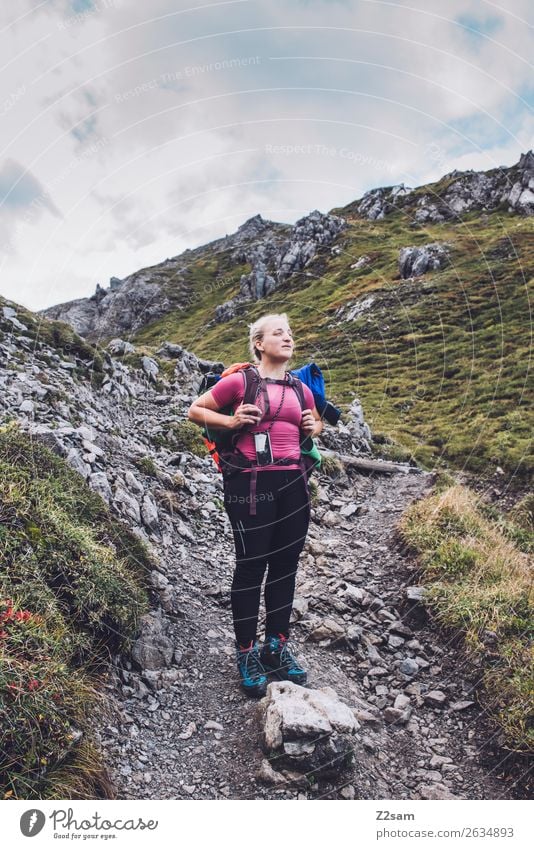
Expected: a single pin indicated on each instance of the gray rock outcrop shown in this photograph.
(417, 260)
(274, 260)
(277, 251)
(142, 297)
(377, 203)
(153, 650)
(508, 188)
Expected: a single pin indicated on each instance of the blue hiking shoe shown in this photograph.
(278, 658)
(251, 671)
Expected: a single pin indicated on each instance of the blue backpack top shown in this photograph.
(312, 376)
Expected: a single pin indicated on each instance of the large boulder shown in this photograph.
(153, 649)
(307, 730)
(417, 260)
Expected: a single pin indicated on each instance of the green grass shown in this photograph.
(182, 436)
(479, 582)
(147, 465)
(72, 589)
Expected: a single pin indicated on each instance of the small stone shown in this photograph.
(328, 629)
(462, 705)
(391, 714)
(99, 483)
(376, 671)
(354, 594)
(435, 698)
(435, 791)
(353, 635)
(150, 367)
(268, 775)
(348, 792)
(188, 732)
(300, 608)
(74, 460)
(400, 628)
(415, 594)
(437, 761)
(367, 717)
(349, 510)
(159, 581)
(149, 513)
(409, 667)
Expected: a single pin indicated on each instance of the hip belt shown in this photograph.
(234, 463)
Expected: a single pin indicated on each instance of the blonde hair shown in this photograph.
(257, 330)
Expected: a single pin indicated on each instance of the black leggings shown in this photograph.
(272, 538)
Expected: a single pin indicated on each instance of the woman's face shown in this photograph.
(277, 340)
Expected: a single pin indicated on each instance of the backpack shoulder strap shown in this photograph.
(254, 385)
(251, 381)
(296, 383)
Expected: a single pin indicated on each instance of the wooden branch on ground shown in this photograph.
(365, 464)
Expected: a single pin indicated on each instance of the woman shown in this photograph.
(270, 533)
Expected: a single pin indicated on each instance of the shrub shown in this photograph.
(183, 436)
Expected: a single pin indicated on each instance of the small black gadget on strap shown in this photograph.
(262, 438)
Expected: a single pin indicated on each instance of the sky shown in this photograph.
(133, 131)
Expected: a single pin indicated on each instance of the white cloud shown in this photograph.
(156, 129)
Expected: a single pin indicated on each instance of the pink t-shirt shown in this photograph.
(285, 432)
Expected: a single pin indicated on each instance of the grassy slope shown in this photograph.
(72, 588)
(479, 582)
(440, 364)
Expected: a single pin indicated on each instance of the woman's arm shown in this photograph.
(203, 411)
(318, 422)
(311, 423)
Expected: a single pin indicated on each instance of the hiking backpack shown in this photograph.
(221, 443)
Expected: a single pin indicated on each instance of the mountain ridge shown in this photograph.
(130, 304)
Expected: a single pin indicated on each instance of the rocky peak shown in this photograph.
(253, 225)
(274, 260)
(526, 161)
(508, 188)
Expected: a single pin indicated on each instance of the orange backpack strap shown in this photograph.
(234, 367)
